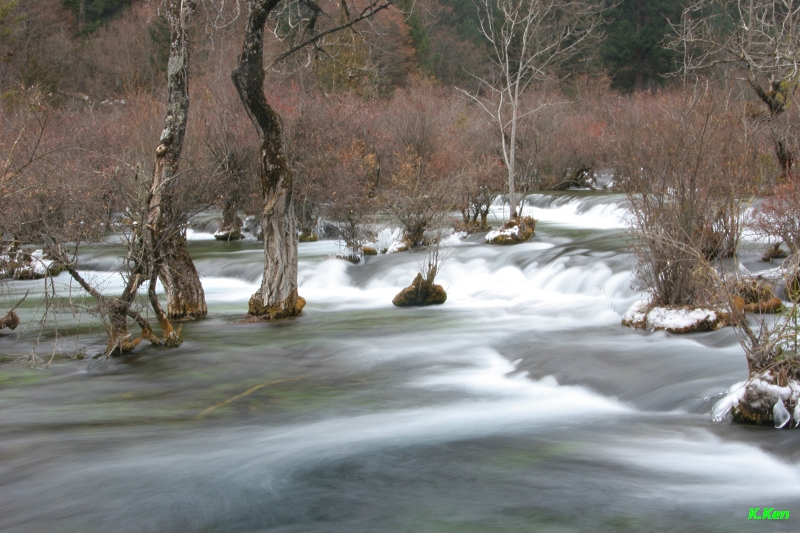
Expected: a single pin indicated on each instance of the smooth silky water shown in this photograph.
(520, 405)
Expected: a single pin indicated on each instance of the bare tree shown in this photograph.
(277, 297)
(757, 41)
(185, 295)
(528, 39)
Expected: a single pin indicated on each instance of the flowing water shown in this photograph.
(520, 405)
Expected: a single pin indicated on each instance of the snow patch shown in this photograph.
(636, 315)
(511, 232)
(675, 320)
(678, 319)
(722, 409)
(388, 241)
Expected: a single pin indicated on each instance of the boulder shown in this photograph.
(229, 234)
(515, 231)
(419, 293)
(369, 250)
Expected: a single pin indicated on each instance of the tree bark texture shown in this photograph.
(277, 297)
(185, 295)
(777, 100)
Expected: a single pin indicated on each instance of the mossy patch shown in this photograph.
(421, 292)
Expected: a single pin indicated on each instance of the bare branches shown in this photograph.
(757, 36)
(529, 39)
(372, 9)
(757, 41)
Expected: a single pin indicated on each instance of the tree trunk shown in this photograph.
(777, 99)
(185, 295)
(277, 297)
(81, 15)
(186, 298)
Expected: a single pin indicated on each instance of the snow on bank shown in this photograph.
(675, 320)
(510, 233)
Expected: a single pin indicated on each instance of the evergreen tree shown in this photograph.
(632, 50)
(93, 13)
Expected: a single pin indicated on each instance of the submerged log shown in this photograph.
(420, 292)
(290, 307)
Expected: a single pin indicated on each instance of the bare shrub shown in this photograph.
(778, 218)
(423, 163)
(684, 164)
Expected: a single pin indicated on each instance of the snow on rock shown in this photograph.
(675, 320)
(26, 265)
(636, 315)
(514, 231)
(685, 320)
(228, 234)
(510, 233)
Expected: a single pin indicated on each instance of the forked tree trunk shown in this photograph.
(277, 297)
(185, 295)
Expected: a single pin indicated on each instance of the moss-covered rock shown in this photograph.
(369, 250)
(773, 306)
(514, 231)
(755, 296)
(419, 293)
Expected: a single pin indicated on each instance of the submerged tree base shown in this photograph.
(419, 293)
(290, 307)
(761, 400)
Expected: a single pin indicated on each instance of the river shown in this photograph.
(520, 405)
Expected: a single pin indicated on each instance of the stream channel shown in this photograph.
(520, 405)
